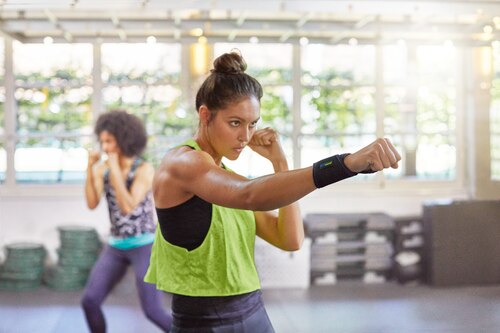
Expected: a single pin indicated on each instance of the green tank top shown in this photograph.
(222, 265)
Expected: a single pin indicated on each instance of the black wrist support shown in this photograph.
(331, 170)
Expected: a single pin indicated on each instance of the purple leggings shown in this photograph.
(107, 272)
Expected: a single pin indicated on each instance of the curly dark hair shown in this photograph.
(227, 83)
(128, 130)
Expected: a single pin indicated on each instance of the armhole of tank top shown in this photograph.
(133, 170)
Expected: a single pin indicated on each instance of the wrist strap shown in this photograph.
(331, 170)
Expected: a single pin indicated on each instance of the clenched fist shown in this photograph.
(377, 156)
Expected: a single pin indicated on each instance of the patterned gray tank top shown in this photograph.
(141, 218)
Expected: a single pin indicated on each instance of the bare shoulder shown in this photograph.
(177, 167)
(145, 171)
(182, 160)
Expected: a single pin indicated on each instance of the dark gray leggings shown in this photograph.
(258, 322)
(107, 272)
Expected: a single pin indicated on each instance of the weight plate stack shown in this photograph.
(77, 254)
(23, 267)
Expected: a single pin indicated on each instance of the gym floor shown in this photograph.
(347, 307)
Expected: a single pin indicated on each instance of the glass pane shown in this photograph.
(344, 63)
(54, 109)
(437, 64)
(158, 145)
(436, 108)
(2, 110)
(3, 162)
(441, 150)
(315, 148)
(395, 64)
(142, 62)
(495, 147)
(54, 64)
(276, 105)
(495, 169)
(399, 114)
(342, 110)
(268, 63)
(2, 59)
(51, 160)
(495, 115)
(251, 164)
(160, 107)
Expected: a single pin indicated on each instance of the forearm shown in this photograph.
(290, 227)
(124, 199)
(91, 195)
(278, 190)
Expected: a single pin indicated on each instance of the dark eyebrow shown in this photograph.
(241, 119)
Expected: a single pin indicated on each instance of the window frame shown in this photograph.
(377, 183)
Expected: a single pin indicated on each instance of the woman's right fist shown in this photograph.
(377, 156)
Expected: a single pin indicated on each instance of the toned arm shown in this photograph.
(94, 185)
(186, 172)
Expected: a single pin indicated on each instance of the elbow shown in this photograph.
(91, 205)
(125, 209)
(294, 245)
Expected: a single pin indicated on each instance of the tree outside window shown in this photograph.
(53, 121)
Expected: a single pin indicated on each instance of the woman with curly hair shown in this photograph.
(209, 216)
(126, 180)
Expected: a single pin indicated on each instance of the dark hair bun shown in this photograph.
(230, 63)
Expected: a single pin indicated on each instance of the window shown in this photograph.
(399, 105)
(144, 79)
(53, 93)
(271, 65)
(495, 116)
(345, 102)
(3, 153)
(3, 162)
(436, 113)
(338, 100)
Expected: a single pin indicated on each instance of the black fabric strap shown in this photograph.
(331, 170)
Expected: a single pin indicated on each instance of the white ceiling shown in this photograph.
(328, 21)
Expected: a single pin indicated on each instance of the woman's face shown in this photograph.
(108, 143)
(232, 128)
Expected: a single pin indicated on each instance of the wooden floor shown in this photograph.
(348, 307)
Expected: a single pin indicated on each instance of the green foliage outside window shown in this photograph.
(436, 111)
(53, 110)
(149, 77)
(268, 76)
(336, 104)
(59, 77)
(275, 111)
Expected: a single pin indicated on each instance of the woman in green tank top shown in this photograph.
(213, 279)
